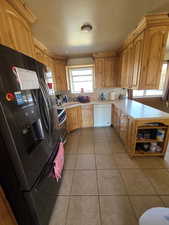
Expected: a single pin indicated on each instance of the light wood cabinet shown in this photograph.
(123, 127)
(105, 72)
(153, 56)
(87, 116)
(74, 118)
(109, 72)
(99, 72)
(143, 53)
(137, 59)
(116, 117)
(124, 65)
(15, 31)
(60, 75)
(137, 132)
(6, 215)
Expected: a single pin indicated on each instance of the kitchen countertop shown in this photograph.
(75, 104)
(138, 110)
(132, 108)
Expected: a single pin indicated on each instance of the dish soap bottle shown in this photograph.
(102, 98)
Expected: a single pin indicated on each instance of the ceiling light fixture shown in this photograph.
(86, 27)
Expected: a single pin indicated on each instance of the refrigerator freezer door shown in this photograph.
(28, 148)
(27, 78)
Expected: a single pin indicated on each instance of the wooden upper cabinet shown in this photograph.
(143, 53)
(153, 56)
(4, 40)
(130, 64)
(17, 30)
(137, 59)
(124, 65)
(40, 52)
(109, 72)
(99, 72)
(105, 76)
(60, 75)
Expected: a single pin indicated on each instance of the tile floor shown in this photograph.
(102, 185)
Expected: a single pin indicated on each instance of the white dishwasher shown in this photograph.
(102, 115)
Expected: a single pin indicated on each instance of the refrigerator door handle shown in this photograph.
(48, 111)
(46, 172)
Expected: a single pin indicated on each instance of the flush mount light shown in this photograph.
(86, 27)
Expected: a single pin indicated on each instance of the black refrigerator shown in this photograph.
(29, 141)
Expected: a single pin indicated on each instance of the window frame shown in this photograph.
(78, 67)
(148, 96)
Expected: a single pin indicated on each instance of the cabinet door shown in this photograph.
(118, 65)
(137, 59)
(124, 127)
(130, 66)
(60, 75)
(116, 118)
(3, 29)
(109, 72)
(70, 119)
(74, 118)
(39, 55)
(153, 56)
(124, 78)
(78, 117)
(87, 116)
(18, 31)
(99, 72)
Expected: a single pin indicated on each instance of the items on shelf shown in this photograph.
(153, 147)
(153, 124)
(147, 134)
(154, 134)
(160, 135)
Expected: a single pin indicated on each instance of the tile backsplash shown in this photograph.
(96, 94)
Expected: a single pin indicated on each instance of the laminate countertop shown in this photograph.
(132, 108)
(76, 104)
(138, 110)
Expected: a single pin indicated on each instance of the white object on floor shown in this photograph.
(155, 216)
(102, 115)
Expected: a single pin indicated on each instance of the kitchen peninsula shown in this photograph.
(144, 130)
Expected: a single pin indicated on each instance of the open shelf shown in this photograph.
(148, 140)
(152, 127)
(142, 153)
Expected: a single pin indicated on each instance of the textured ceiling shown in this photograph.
(59, 22)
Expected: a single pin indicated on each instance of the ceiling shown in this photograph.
(59, 22)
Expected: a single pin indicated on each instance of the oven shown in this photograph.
(61, 123)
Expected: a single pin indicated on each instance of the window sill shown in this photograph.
(150, 96)
(85, 93)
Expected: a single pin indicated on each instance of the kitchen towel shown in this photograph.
(59, 162)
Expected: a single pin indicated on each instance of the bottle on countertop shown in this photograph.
(102, 97)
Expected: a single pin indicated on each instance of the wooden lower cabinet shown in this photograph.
(130, 129)
(87, 116)
(6, 215)
(74, 118)
(123, 127)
